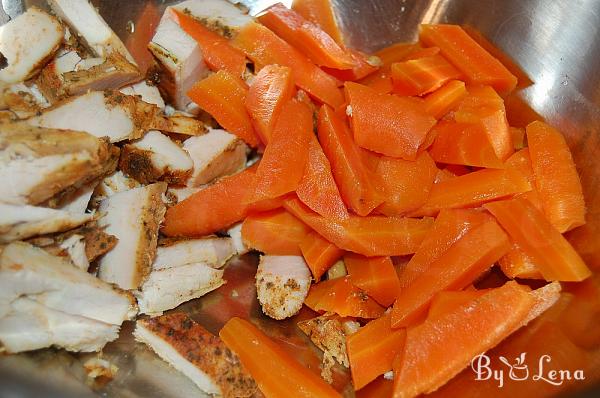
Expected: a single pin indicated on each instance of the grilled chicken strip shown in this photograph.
(181, 62)
(132, 216)
(22, 100)
(114, 183)
(219, 16)
(282, 284)
(75, 247)
(27, 43)
(38, 163)
(155, 157)
(198, 354)
(178, 194)
(145, 92)
(235, 233)
(26, 270)
(19, 222)
(211, 251)
(215, 154)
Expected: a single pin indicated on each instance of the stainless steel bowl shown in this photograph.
(557, 42)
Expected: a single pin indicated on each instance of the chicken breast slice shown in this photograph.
(168, 287)
(178, 193)
(235, 233)
(77, 201)
(30, 326)
(38, 163)
(133, 217)
(75, 247)
(219, 16)
(196, 353)
(211, 251)
(24, 100)
(155, 157)
(327, 333)
(26, 270)
(282, 284)
(215, 154)
(28, 42)
(181, 61)
(19, 222)
(146, 92)
(115, 183)
(86, 22)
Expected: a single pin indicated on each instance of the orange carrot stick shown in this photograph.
(321, 13)
(478, 66)
(372, 350)
(223, 96)
(447, 301)
(396, 52)
(263, 47)
(375, 275)
(275, 371)
(445, 98)
(270, 89)
(554, 257)
(319, 254)
(422, 76)
(517, 264)
(364, 65)
(274, 232)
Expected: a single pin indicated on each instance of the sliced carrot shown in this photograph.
(522, 79)
(406, 183)
(517, 264)
(380, 81)
(263, 47)
(445, 98)
(443, 175)
(266, 205)
(449, 226)
(282, 165)
(216, 50)
(364, 66)
(275, 371)
(458, 267)
(418, 53)
(440, 348)
(375, 275)
(319, 254)
(274, 232)
(306, 36)
(521, 162)
(387, 124)
(473, 189)
(341, 297)
(554, 256)
(369, 236)
(272, 87)
(351, 175)
(484, 107)
(212, 209)
(380, 387)
(478, 65)
(372, 350)
(464, 144)
(556, 177)
(458, 169)
(422, 76)
(321, 13)
(447, 301)
(223, 95)
(518, 137)
(396, 52)
(317, 188)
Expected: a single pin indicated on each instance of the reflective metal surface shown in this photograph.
(557, 42)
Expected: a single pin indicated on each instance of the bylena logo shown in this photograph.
(518, 370)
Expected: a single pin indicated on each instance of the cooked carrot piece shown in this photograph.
(264, 48)
(447, 301)
(275, 371)
(422, 76)
(369, 236)
(387, 124)
(445, 98)
(521, 162)
(272, 87)
(484, 107)
(266, 205)
(380, 81)
(418, 53)
(282, 165)
(341, 297)
(364, 66)
(375, 275)
(440, 348)
(380, 387)
(351, 175)
(556, 177)
(372, 350)
(319, 254)
(449, 226)
(456, 268)
(211, 209)
(216, 50)
(477, 65)
(396, 52)
(223, 95)
(306, 36)
(317, 188)
(554, 256)
(464, 144)
(274, 232)
(473, 189)
(517, 264)
(321, 13)
(406, 183)
(518, 137)
(443, 175)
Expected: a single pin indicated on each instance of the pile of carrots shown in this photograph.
(371, 159)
